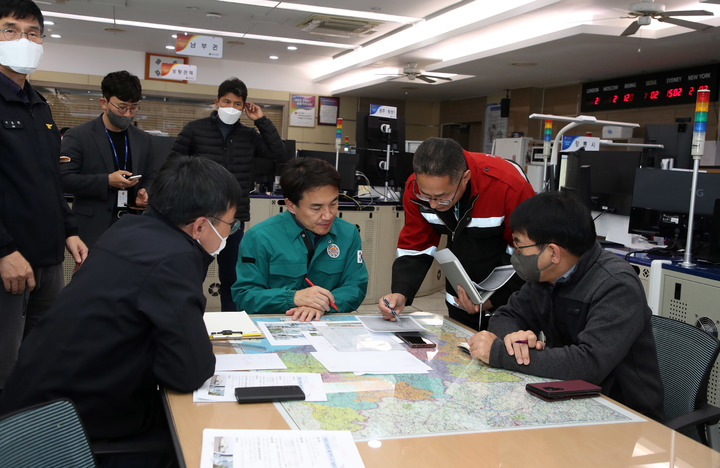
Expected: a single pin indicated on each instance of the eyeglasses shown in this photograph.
(439, 201)
(11, 34)
(125, 109)
(518, 247)
(234, 226)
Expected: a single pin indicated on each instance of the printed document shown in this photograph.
(279, 449)
(221, 386)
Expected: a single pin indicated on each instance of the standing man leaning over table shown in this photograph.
(222, 138)
(305, 261)
(36, 224)
(469, 197)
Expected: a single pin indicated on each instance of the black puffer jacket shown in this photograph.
(202, 137)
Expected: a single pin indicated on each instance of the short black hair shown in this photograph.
(440, 157)
(233, 85)
(303, 174)
(123, 85)
(188, 187)
(557, 217)
(22, 9)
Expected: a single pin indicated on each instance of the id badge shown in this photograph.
(122, 198)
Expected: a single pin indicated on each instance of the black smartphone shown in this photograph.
(563, 390)
(268, 394)
(415, 340)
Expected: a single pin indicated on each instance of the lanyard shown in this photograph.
(117, 162)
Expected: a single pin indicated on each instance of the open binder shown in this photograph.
(477, 292)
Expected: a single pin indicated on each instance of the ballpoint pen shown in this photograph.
(393, 311)
(331, 304)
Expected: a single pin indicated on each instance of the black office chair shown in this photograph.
(47, 434)
(686, 355)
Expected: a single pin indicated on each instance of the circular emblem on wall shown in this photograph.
(333, 250)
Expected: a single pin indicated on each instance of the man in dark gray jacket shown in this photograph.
(223, 139)
(588, 302)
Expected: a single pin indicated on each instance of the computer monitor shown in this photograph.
(265, 170)
(347, 165)
(661, 205)
(604, 179)
(372, 145)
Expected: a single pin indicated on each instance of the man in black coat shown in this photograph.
(223, 139)
(105, 155)
(36, 224)
(132, 316)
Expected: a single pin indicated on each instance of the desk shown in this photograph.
(495, 406)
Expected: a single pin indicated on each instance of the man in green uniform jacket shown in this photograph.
(303, 262)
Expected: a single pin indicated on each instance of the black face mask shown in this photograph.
(119, 121)
(526, 266)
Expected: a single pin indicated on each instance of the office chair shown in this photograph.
(47, 434)
(686, 356)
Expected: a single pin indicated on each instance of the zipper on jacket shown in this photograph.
(452, 231)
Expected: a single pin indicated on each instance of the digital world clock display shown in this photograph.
(654, 89)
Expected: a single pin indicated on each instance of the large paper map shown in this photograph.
(459, 395)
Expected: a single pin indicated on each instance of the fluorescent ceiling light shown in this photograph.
(327, 11)
(428, 32)
(211, 32)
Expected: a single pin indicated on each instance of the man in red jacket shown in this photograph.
(469, 197)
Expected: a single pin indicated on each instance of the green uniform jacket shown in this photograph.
(272, 265)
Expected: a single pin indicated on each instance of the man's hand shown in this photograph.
(77, 249)
(253, 111)
(519, 343)
(142, 198)
(481, 344)
(305, 314)
(16, 273)
(396, 302)
(465, 302)
(315, 297)
(119, 181)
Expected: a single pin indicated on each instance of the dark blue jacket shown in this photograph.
(34, 217)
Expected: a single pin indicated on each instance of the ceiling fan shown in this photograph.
(647, 10)
(412, 72)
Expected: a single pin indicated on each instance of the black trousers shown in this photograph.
(227, 264)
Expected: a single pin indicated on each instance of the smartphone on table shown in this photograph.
(415, 340)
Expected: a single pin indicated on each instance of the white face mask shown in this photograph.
(229, 115)
(22, 56)
(223, 241)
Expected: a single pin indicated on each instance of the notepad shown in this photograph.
(230, 326)
(456, 274)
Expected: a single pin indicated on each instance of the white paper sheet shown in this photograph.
(239, 362)
(377, 323)
(357, 338)
(221, 386)
(279, 449)
(286, 333)
(372, 362)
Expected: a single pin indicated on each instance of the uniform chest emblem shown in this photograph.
(333, 251)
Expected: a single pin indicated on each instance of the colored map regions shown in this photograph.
(459, 395)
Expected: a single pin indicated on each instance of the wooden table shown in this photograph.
(603, 445)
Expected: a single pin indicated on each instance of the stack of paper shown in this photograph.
(230, 326)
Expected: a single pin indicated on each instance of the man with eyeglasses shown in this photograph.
(132, 317)
(222, 138)
(469, 198)
(588, 303)
(110, 162)
(36, 224)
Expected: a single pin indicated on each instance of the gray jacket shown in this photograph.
(597, 328)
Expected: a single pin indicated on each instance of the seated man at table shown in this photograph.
(588, 302)
(302, 262)
(132, 317)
